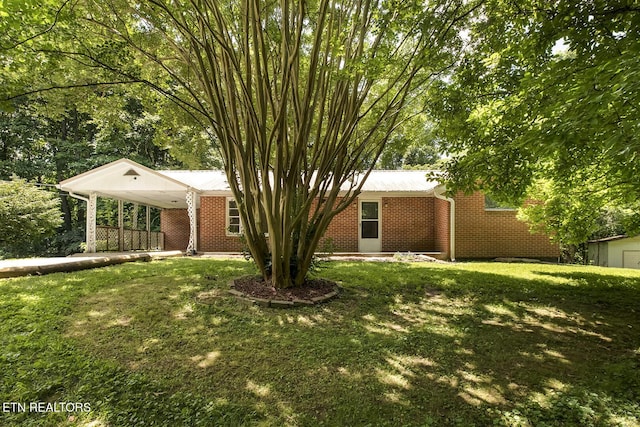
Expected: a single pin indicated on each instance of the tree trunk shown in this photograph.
(66, 212)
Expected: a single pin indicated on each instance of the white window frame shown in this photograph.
(228, 218)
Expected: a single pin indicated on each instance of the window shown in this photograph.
(369, 221)
(234, 226)
(492, 205)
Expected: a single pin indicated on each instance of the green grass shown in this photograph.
(404, 344)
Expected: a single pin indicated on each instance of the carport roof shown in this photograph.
(127, 180)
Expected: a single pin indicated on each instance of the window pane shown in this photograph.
(489, 203)
(369, 210)
(233, 217)
(369, 229)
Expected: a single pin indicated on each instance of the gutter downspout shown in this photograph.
(76, 196)
(452, 219)
(90, 228)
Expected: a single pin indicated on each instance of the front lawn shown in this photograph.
(162, 343)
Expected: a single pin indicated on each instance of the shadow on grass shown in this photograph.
(404, 344)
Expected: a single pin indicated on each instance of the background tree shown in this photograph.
(28, 215)
(413, 145)
(59, 118)
(547, 93)
(300, 97)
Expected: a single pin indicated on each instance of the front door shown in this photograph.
(369, 231)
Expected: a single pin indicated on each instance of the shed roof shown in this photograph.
(609, 239)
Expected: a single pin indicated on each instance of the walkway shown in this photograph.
(39, 266)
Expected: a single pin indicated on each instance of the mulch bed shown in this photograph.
(314, 290)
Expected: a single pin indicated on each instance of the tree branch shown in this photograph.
(41, 33)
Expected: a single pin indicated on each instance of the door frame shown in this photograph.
(369, 244)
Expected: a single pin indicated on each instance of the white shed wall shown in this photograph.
(624, 253)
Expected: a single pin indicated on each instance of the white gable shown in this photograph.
(128, 180)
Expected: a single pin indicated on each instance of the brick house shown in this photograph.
(397, 211)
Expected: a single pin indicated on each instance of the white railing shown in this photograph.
(108, 239)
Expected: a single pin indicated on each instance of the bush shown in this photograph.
(28, 215)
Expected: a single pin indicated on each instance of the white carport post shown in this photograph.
(148, 226)
(91, 223)
(120, 226)
(193, 225)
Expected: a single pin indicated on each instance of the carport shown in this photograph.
(126, 181)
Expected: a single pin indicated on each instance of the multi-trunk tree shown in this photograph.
(299, 97)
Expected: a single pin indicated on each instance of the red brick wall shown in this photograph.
(174, 223)
(441, 227)
(490, 234)
(342, 234)
(407, 224)
(213, 227)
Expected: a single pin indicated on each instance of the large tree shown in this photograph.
(300, 97)
(545, 102)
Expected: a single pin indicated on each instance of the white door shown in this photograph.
(369, 230)
(631, 259)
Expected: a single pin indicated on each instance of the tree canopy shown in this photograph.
(545, 103)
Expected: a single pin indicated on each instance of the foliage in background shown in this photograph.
(547, 93)
(50, 148)
(413, 145)
(28, 215)
(571, 216)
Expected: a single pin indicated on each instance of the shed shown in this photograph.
(617, 251)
